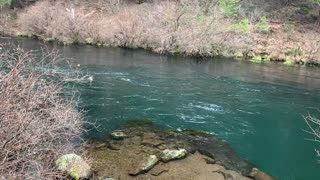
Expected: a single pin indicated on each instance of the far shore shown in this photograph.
(169, 28)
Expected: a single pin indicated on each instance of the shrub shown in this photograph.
(55, 20)
(36, 123)
(263, 26)
(242, 26)
(229, 7)
(313, 124)
(5, 2)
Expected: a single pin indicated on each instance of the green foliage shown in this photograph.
(263, 26)
(256, 59)
(288, 62)
(316, 2)
(230, 7)
(5, 2)
(242, 26)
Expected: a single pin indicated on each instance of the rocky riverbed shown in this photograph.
(141, 150)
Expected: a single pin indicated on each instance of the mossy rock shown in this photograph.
(74, 166)
(168, 154)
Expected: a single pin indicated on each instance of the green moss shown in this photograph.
(138, 122)
(288, 62)
(256, 59)
(74, 175)
(266, 58)
(195, 131)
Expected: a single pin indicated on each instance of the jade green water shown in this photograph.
(257, 108)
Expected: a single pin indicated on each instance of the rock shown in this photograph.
(159, 172)
(153, 142)
(101, 145)
(118, 135)
(114, 145)
(168, 155)
(106, 178)
(147, 164)
(74, 166)
(231, 175)
(209, 160)
(150, 139)
(259, 175)
(135, 140)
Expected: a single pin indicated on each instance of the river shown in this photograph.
(257, 108)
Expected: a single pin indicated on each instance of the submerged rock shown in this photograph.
(74, 166)
(259, 175)
(118, 135)
(146, 164)
(168, 155)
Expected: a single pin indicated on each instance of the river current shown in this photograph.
(257, 108)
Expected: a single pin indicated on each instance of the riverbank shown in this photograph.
(141, 150)
(169, 27)
(38, 124)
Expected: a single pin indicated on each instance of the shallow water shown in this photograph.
(257, 108)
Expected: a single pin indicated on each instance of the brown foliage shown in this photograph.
(36, 123)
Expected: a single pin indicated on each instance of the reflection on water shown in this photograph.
(257, 108)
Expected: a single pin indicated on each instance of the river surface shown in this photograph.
(257, 108)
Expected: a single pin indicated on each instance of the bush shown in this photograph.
(5, 2)
(37, 124)
(229, 7)
(55, 20)
(263, 26)
(242, 26)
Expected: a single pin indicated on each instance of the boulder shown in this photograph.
(146, 164)
(168, 155)
(74, 166)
